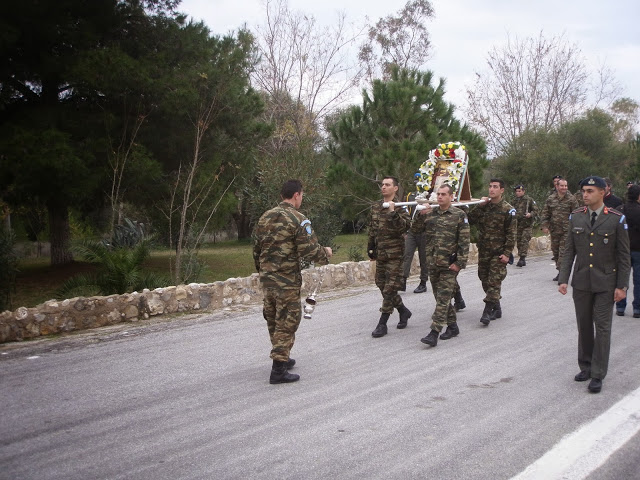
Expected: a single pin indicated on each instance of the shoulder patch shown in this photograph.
(307, 225)
(512, 212)
(622, 220)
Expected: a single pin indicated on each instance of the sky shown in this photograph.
(464, 31)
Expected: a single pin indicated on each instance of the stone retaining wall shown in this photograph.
(81, 313)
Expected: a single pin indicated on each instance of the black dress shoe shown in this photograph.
(555, 279)
(583, 376)
(595, 385)
(421, 288)
(620, 313)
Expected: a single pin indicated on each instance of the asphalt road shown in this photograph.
(189, 398)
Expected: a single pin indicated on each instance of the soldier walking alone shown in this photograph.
(387, 227)
(282, 238)
(447, 238)
(496, 223)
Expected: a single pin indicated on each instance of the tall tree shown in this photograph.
(399, 122)
(585, 146)
(43, 105)
(401, 40)
(531, 83)
(303, 61)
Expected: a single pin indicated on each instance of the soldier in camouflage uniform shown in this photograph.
(496, 223)
(555, 219)
(447, 238)
(282, 239)
(526, 210)
(387, 227)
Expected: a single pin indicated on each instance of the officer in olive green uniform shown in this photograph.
(282, 238)
(447, 238)
(387, 227)
(496, 223)
(526, 210)
(555, 219)
(599, 244)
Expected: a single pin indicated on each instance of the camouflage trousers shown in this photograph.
(558, 237)
(523, 236)
(282, 311)
(388, 280)
(444, 284)
(491, 272)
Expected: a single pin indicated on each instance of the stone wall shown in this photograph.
(80, 313)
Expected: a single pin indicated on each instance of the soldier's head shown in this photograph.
(496, 189)
(609, 185)
(633, 193)
(291, 192)
(556, 178)
(389, 188)
(629, 184)
(593, 191)
(562, 187)
(444, 196)
(519, 190)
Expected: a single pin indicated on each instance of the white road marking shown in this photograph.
(580, 453)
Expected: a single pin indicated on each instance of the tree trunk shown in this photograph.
(243, 221)
(59, 234)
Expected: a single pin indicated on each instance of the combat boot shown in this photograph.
(381, 328)
(279, 373)
(403, 285)
(405, 315)
(451, 331)
(290, 363)
(521, 263)
(431, 339)
(497, 311)
(487, 313)
(459, 301)
(421, 288)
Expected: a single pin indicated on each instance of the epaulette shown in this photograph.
(580, 210)
(611, 210)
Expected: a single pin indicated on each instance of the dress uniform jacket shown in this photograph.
(601, 252)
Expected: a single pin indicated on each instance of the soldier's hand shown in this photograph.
(545, 230)
(562, 288)
(425, 209)
(528, 215)
(485, 199)
(329, 251)
(392, 206)
(619, 294)
(504, 258)
(454, 267)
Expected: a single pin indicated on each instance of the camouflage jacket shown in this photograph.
(386, 231)
(523, 205)
(555, 214)
(496, 227)
(282, 238)
(447, 236)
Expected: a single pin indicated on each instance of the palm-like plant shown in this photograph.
(120, 270)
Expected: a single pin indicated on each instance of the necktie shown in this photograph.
(593, 218)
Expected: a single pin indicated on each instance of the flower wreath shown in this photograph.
(452, 152)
